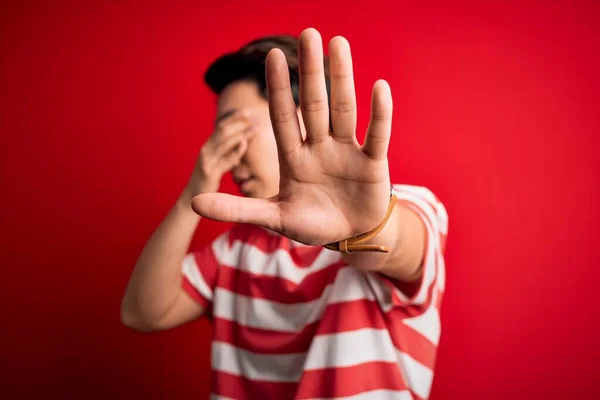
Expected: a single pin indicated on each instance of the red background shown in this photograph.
(102, 114)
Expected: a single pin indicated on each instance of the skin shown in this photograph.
(298, 179)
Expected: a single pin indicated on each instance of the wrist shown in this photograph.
(364, 241)
(388, 237)
(201, 183)
(184, 201)
(195, 187)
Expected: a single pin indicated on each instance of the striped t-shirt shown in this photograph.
(293, 321)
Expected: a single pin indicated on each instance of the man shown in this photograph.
(329, 284)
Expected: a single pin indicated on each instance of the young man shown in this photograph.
(300, 307)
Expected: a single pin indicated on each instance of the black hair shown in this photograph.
(249, 63)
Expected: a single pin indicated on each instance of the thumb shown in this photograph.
(229, 208)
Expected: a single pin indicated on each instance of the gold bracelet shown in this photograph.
(353, 244)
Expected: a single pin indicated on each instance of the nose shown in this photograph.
(241, 169)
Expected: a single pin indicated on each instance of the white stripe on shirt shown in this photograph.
(275, 264)
(191, 271)
(350, 285)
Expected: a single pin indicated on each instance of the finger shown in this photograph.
(282, 108)
(231, 159)
(313, 89)
(343, 97)
(229, 144)
(233, 130)
(233, 116)
(380, 127)
(229, 208)
(244, 117)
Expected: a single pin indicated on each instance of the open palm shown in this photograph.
(331, 187)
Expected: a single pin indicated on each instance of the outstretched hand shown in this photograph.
(331, 187)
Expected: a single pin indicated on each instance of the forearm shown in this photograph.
(155, 283)
(404, 235)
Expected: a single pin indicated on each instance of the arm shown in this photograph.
(154, 298)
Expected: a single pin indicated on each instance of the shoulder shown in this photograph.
(424, 199)
(415, 190)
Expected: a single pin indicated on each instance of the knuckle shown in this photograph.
(225, 126)
(233, 141)
(225, 138)
(280, 89)
(220, 126)
(374, 139)
(203, 165)
(284, 116)
(341, 76)
(204, 151)
(225, 131)
(314, 105)
(343, 107)
(383, 116)
(312, 71)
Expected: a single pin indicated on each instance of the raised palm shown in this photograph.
(330, 187)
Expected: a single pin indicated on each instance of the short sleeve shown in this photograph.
(200, 270)
(430, 286)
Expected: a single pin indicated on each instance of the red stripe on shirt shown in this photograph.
(276, 288)
(349, 381)
(263, 341)
(194, 294)
(339, 317)
(207, 264)
(412, 342)
(302, 256)
(241, 388)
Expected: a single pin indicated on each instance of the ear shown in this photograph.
(301, 121)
